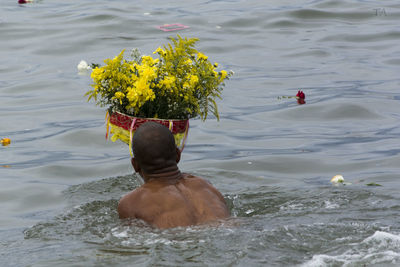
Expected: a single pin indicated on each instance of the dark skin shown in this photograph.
(169, 198)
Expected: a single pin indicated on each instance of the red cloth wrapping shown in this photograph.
(125, 121)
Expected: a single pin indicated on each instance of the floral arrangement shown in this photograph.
(180, 84)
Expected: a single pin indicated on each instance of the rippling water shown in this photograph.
(271, 158)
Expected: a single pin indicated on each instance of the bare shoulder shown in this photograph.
(125, 207)
(207, 198)
(197, 183)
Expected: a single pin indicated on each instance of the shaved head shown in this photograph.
(154, 147)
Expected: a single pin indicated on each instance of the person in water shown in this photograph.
(168, 198)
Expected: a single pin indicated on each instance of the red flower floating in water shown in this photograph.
(300, 97)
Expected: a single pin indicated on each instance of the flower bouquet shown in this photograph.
(178, 85)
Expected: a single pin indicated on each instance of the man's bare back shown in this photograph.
(168, 198)
(166, 203)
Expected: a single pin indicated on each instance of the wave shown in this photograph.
(379, 248)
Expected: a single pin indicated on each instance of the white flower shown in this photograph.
(337, 179)
(83, 66)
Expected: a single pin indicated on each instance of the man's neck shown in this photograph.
(166, 175)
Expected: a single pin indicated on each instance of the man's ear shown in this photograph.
(178, 155)
(135, 165)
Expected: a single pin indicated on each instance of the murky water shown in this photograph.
(271, 158)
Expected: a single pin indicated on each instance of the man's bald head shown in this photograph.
(154, 147)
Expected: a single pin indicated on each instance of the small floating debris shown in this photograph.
(25, 1)
(83, 66)
(337, 179)
(373, 184)
(172, 27)
(249, 211)
(5, 141)
(300, 96)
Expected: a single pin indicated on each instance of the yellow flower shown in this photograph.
(159, 51)
(223, 74)
(148, 60)
(193, 80)
(168, 81)
(188, 62)
(5, 141)
(119, 96)
(201, 56)
(180, 83)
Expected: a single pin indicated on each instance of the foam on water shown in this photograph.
(383, 240)
(381, 248)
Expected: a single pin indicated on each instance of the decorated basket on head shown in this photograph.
(178, 85)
